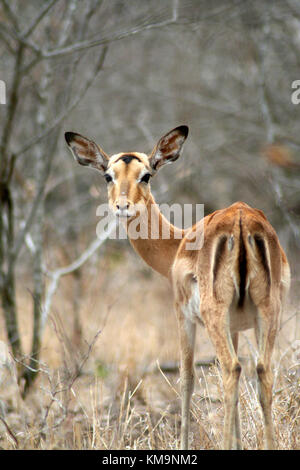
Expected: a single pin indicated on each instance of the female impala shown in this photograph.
(237, 280)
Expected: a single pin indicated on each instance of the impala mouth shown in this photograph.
(124, 213)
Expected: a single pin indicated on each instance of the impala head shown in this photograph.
(127, 174)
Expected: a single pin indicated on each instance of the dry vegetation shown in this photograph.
(114, 385)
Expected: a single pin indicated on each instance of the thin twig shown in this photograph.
(10, 13)
(9, 431)
(43, 11)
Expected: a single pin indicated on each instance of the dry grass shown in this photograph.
(104, 389)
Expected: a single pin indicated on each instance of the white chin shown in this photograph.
(124, 215)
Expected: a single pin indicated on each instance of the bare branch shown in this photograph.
(8, 126)
(64, 33)
(65, 113)
(6, 30)
(10, 13)
(6, 41)
(58, 273)
(38, 197)
(264, 99)
(87, 44)
(65, 27)
(43, 11)
(10, 433)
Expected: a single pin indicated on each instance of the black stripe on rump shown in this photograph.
(261, 248)
(242, 263)
(218, 256)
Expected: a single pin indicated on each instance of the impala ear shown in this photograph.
(87, 152)
(168, 148)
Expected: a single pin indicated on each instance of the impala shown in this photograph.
(238, 279)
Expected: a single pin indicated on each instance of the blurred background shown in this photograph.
(90, 327)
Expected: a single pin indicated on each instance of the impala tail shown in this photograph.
(242, 263)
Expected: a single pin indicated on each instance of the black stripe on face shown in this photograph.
(218, 255)
(128, 158)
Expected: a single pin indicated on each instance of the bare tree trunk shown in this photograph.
(43, 157)
(7, 233)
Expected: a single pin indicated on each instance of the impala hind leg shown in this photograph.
(217, 324)
(231, 371)
(237, 431)
(187, 331)
(266, 329)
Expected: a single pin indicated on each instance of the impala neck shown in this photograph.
(158, 252)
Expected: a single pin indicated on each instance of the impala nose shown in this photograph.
(122, 206)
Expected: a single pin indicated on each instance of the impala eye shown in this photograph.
(108, 178)
(145, 178)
